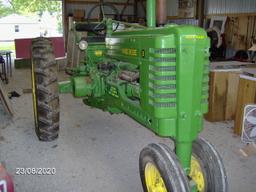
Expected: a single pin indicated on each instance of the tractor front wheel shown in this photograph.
(207, 169)
(160, 170)
(45, 90)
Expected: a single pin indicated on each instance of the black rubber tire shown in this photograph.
(168, 166)
(45, 90)
(211, 165)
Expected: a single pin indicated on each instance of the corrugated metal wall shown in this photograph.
(211, 6)
(184, 21)
(230, 6)
(218, 6)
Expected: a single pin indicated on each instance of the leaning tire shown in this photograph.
(45, 90)
(207, 169)
(160, 170)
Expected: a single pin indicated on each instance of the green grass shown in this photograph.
(7, 46)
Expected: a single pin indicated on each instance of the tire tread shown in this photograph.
(47, 96)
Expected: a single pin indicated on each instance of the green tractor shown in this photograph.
(156, 75)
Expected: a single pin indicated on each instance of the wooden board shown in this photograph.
(239, 31)
(217, 96)
(230, 65)
(74, 55)
(223, 88)
(116, 3)
(70, 46)
(232, 91)
(79, 13)
(246, 95)
(5, 101)
(247, 150)
(61, 63)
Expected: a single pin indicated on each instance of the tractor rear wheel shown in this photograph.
(160, 170)
(45, 90)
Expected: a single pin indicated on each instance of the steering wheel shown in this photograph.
(100, 28)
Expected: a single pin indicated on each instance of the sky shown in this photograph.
(5, 2)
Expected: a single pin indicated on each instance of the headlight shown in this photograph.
(83, 45)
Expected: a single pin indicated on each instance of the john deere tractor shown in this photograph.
(156, 75)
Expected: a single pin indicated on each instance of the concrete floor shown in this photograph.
(97, 151)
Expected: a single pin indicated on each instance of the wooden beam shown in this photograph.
(200, 12)
(96, 2)
(135, 9)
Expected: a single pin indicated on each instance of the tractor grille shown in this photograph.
(205, 84)
(164, 51)
(162, 78)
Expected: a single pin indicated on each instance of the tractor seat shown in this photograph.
(89, 27)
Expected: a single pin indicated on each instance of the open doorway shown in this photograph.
(29, 19)
(23, 20)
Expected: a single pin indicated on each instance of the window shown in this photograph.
(17, 28)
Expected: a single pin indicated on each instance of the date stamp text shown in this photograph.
(35, 171)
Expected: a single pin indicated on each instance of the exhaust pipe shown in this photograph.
(151, 13)
(161, 12)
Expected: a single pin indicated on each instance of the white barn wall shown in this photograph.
(25, 31)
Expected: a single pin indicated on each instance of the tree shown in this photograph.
(27, 7)
(4, 11)
(32, 7)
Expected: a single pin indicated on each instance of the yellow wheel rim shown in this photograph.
(197, 175)
(34, 94)
(154, 180)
